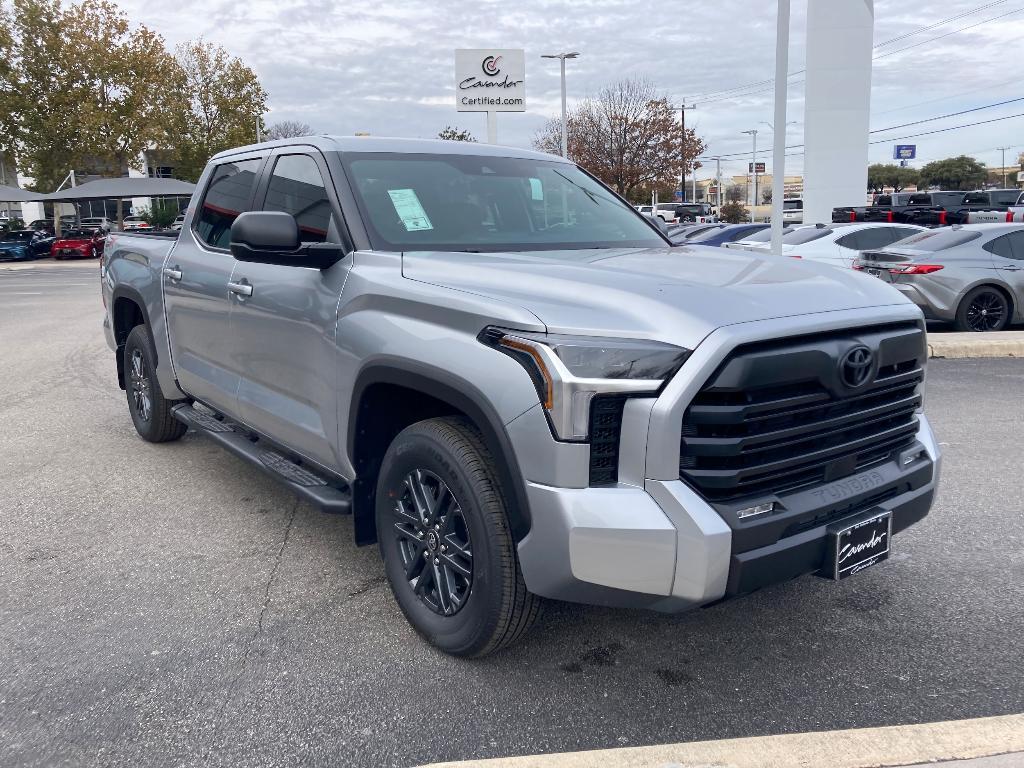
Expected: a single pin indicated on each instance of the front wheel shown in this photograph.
(444, 535)
(149, 409)
(983, 309)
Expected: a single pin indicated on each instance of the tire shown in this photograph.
(465, 606)
(149, 409)
(984, 309)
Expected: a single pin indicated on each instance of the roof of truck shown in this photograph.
(329, 143)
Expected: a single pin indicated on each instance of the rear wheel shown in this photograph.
(149, 409)
(984, 309)
(444, 535)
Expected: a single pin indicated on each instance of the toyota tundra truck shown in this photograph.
(517, 387)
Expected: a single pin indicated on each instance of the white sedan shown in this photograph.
(836, 244)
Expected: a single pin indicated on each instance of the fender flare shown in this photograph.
(461, 395)
(128, 292)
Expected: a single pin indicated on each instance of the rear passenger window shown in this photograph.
(1001, 246)
(296, 187)
(225, 198)
(867, 239)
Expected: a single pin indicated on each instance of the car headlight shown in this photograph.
(569, 371)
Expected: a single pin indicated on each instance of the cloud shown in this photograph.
(387, 68)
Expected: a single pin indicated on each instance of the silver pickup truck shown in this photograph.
(517, 387)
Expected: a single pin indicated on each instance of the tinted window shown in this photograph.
(947, 199)
(939, 239)
(1004, 196)
(226, 197)
(479, 203)
(920, 200)
(903, 232)
(296, 187)
(805, 235)
(764, 235)
(1009, 246)
(792, 205)
(977, 198)
(12, 237)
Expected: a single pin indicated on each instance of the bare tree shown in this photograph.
(628, 136)
(288, 129)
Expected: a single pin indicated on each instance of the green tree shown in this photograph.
(161, 214)
(961, 172)
(8, 83)
(883, 175)
(453, 133)
(734, 213)
(220, 105)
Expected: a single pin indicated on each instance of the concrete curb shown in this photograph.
(859, 748)
(961, 345)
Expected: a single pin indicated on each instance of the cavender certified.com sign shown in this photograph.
(490, 80)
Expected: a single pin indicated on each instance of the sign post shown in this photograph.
(490, 80)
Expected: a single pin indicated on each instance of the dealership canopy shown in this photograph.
(112, 189)
(15, 195)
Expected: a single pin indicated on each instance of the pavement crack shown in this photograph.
(258, 630)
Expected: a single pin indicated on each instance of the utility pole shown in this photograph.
(682, 178)
(1002, 163)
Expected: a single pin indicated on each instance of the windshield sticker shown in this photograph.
(409, 210)
(536, 189)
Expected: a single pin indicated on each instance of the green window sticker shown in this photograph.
(536, 189)
(409, 210)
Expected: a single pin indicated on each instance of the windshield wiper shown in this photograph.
(593, 198)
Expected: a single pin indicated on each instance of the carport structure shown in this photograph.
(119, 189)
(16, 195)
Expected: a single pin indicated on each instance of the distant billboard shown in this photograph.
(904, 152)
(760, 168)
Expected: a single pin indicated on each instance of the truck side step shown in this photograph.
(301, 480)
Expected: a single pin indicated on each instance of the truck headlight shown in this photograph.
(569, 370)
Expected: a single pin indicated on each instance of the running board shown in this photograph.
(304, 482)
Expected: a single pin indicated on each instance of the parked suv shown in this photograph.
(516, 386)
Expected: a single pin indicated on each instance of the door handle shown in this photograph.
(1012, 269)
(172, 274)
(241, 289)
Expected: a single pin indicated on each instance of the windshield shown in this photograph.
(805, 235)
(77, 234)
(425, 202)
(17, 237)
(690, 208)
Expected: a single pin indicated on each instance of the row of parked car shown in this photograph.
(35, 243)
(937, 209)
(971, 275)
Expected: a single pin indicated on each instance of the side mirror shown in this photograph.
(272, 237)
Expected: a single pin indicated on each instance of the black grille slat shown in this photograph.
(605, 432)
(740, 438)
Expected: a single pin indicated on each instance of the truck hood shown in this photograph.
(677, 295)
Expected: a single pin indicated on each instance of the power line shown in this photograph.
(761, 86)
(951, 114)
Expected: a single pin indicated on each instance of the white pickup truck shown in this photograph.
(1014, 213)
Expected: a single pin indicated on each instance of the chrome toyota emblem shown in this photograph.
(855, 367)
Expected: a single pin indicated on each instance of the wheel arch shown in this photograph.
(390, 396)
(128, 309)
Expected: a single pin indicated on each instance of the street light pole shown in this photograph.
(565, 125)
(682, 176)
(753, 170)
(1002, 163)
(779, 137)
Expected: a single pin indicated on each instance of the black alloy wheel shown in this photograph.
(433, 542)
(984, 309)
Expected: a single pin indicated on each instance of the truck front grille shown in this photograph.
(605, 431)
(777, 417)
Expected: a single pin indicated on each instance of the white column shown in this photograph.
(837, 105)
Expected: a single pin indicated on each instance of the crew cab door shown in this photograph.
(284, 318)
(195, 282)
(1008, 258)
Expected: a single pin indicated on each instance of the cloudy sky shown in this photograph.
(387, 67)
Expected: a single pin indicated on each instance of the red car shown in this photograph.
(79, 244)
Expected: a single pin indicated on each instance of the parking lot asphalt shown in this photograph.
(168, 605)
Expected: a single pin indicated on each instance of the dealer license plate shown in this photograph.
(856, 546)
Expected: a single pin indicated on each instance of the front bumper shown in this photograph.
(663, 547)
(652, 541)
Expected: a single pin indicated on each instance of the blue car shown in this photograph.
(23, 244)
(725, 233)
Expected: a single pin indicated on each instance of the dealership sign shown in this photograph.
(904, 152)
(490, 80)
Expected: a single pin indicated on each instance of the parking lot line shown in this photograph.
(856, 748)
